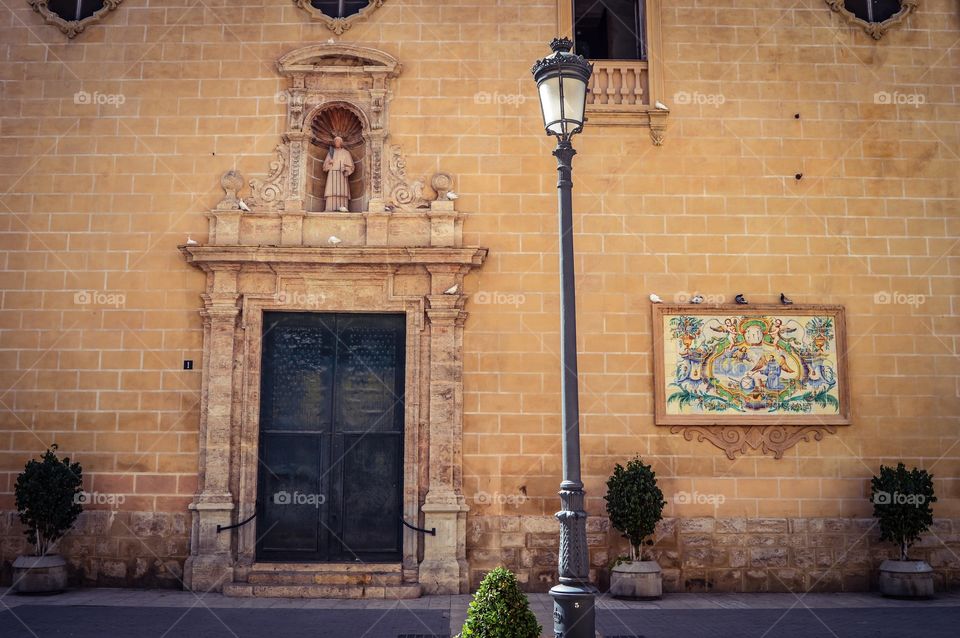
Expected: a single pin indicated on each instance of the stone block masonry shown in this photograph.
(99, 309)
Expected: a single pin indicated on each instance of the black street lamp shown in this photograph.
(562, 84)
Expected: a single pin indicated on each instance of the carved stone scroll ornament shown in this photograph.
(769, 439)
(268, 193)
(335, 24)
(72, 27)
(876, 30)
(404, 194)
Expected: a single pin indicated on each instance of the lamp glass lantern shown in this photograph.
(562, 79)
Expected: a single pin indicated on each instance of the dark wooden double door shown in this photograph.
(330, 469)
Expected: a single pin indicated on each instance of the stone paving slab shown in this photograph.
(938, 622)
(675, 616)
(89, 621)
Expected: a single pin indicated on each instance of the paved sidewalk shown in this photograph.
(123, 613)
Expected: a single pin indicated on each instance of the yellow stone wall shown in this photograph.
(99, 308)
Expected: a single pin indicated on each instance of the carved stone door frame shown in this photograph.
(243, 282)
(251, 327)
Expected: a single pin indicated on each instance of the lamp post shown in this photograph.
(562, 84)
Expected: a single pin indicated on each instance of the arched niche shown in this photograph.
(327, 122)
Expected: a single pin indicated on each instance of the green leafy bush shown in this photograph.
(634, 503)
(902, 503)
(500, 610)
(47, 498)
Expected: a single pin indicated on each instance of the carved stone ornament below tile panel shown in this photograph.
(875, 30)
(338, 25)
(71, 28)
(769, 439)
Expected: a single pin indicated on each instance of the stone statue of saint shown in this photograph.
(338, 166)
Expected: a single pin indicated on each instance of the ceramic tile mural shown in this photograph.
(758, 364)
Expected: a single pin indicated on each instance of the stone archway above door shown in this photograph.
(267, 252)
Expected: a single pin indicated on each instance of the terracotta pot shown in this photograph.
(637, 580)
(906, 579)
(39, 574)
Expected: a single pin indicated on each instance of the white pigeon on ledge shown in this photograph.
(654, 298)
(452, 290)
(243, 205)
(343, 209)
(452, 196)
(191, 241)
(661, 106)
(334, 240)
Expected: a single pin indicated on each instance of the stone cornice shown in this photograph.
(217, 257)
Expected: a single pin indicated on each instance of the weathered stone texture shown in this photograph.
(726, 560)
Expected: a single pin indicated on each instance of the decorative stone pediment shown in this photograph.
(876, 30)
(337, 24)
(331, 58)
(71, 28)
(339, 90)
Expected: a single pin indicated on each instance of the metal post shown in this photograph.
(573, 607)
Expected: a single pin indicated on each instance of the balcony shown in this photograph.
(619, 94)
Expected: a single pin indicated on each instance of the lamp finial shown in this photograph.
(562, 45)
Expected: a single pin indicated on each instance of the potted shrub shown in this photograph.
(902, 504)
(48, 495)
(635, 506)
(500, 610)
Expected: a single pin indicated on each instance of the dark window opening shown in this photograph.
(339, 8)
(75, 10)
(610, 29)
(873, 10)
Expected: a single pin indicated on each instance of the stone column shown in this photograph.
(210, 563)
(444, 569)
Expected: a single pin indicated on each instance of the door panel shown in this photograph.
(290, 472)
(331, 437)
(298, 364)
(372, 471)
(369, 367)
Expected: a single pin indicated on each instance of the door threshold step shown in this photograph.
(388, 592)
(354, 566)
(317, 577)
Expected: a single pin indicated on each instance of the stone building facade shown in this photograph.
(163, 202)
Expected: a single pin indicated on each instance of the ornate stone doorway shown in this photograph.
(268, 252)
